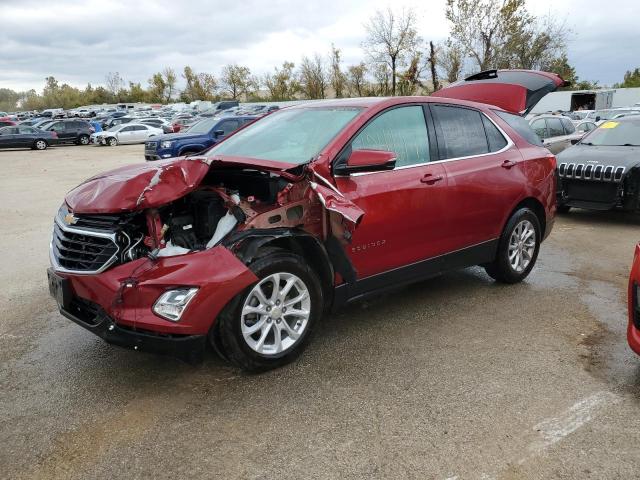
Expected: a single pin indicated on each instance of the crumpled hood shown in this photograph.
(153, 184)
(137, 187)
(616, 156)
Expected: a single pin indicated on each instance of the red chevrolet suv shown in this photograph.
(302, 211)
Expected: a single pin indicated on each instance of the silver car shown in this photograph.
(556, 132)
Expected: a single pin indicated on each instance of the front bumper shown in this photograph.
(159, 154)
(122, 297)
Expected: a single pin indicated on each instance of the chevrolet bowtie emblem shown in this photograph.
(70, 219)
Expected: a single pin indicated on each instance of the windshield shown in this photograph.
(293, 136)
(615, 134)
(115, 128)
(203, 126)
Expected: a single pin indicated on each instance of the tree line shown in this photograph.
(484, 34)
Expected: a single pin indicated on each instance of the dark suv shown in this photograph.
(198, 137)
(70, 131)
(303, 211)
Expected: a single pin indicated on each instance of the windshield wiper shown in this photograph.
(630, 145)
(586, 143)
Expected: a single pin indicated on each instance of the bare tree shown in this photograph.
(451, 60)
(170, 80)
(114, 83)
(390, 37)
(433, 62)
(313, 77)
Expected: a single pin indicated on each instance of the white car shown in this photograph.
(125, 133)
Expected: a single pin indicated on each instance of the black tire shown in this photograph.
(501, 269)
(226, 336)
(112, 141)
(83, 140)
(40, 144)
(187, 152)
(564, 208)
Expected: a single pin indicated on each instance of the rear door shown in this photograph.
(484, 173)
(26, 136)
(404, 208)
(516, 91)
(8, 137)
(127, 134)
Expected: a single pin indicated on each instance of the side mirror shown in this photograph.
(218, 133)
(574, 141)
(598, 118)
(366, 160)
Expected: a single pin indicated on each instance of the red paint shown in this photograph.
(364, 157)
(396, 217)
(508, 97)
(633, 334)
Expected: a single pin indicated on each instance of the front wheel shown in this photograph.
(269, 324)
(112, 141)
(83, 140)
(40, 145)
(517, 248)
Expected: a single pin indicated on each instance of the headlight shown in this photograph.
(171, 304)
(166, 144)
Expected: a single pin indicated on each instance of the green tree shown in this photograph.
(631, 79)
(337, 77)
(237, 81)
(313, 77)
(282, 83)
(356, 79)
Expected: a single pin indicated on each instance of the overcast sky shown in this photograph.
(79, 41)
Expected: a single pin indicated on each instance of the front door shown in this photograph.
(404, 207)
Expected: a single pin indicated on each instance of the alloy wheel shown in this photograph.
(41, 144)
(522, 245)
(275, 314)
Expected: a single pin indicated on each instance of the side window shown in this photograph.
(229, 126)
(26, 130)
(127, 129)
(540, 128)
(555, 127)
(402, 131)
(139, 127)
(460, 132)
(568, 126)
(57, 127)
(496, 139)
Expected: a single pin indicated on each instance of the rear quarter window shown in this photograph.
(521, 127)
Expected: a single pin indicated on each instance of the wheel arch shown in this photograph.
(192, 148)
(537, 208)
(251, 245)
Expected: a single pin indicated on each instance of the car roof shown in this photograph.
(383, 102)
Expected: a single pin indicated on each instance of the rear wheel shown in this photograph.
(269, 324)
(517, 249)
(40, 145)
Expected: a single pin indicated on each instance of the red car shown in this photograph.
(303, 211)
(633, 330)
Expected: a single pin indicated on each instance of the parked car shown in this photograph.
(114, 121)
(556, 132)
(24, 136)
(158, 123)
(602, 171)
(633, 328)
(5, 122)
(70, 130)
(199, 137)
(125, 133)
(303, 211)
(218, 107)
(585, 126)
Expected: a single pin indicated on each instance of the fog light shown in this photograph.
(166, 155)
(171, 304)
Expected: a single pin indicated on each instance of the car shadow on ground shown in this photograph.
(610, 217)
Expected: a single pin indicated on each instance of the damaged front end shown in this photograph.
(147, 256)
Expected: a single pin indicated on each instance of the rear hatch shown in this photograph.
(516, 91)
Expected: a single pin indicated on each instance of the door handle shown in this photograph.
(508, 164)
(430, 179)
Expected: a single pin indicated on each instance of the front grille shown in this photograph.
(106, 223)
(150, 145)
(580, 171)
(82, 250)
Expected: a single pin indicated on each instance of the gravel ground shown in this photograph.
(452, 378)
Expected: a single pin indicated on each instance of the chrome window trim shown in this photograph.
(90, 233)
(510, 143)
